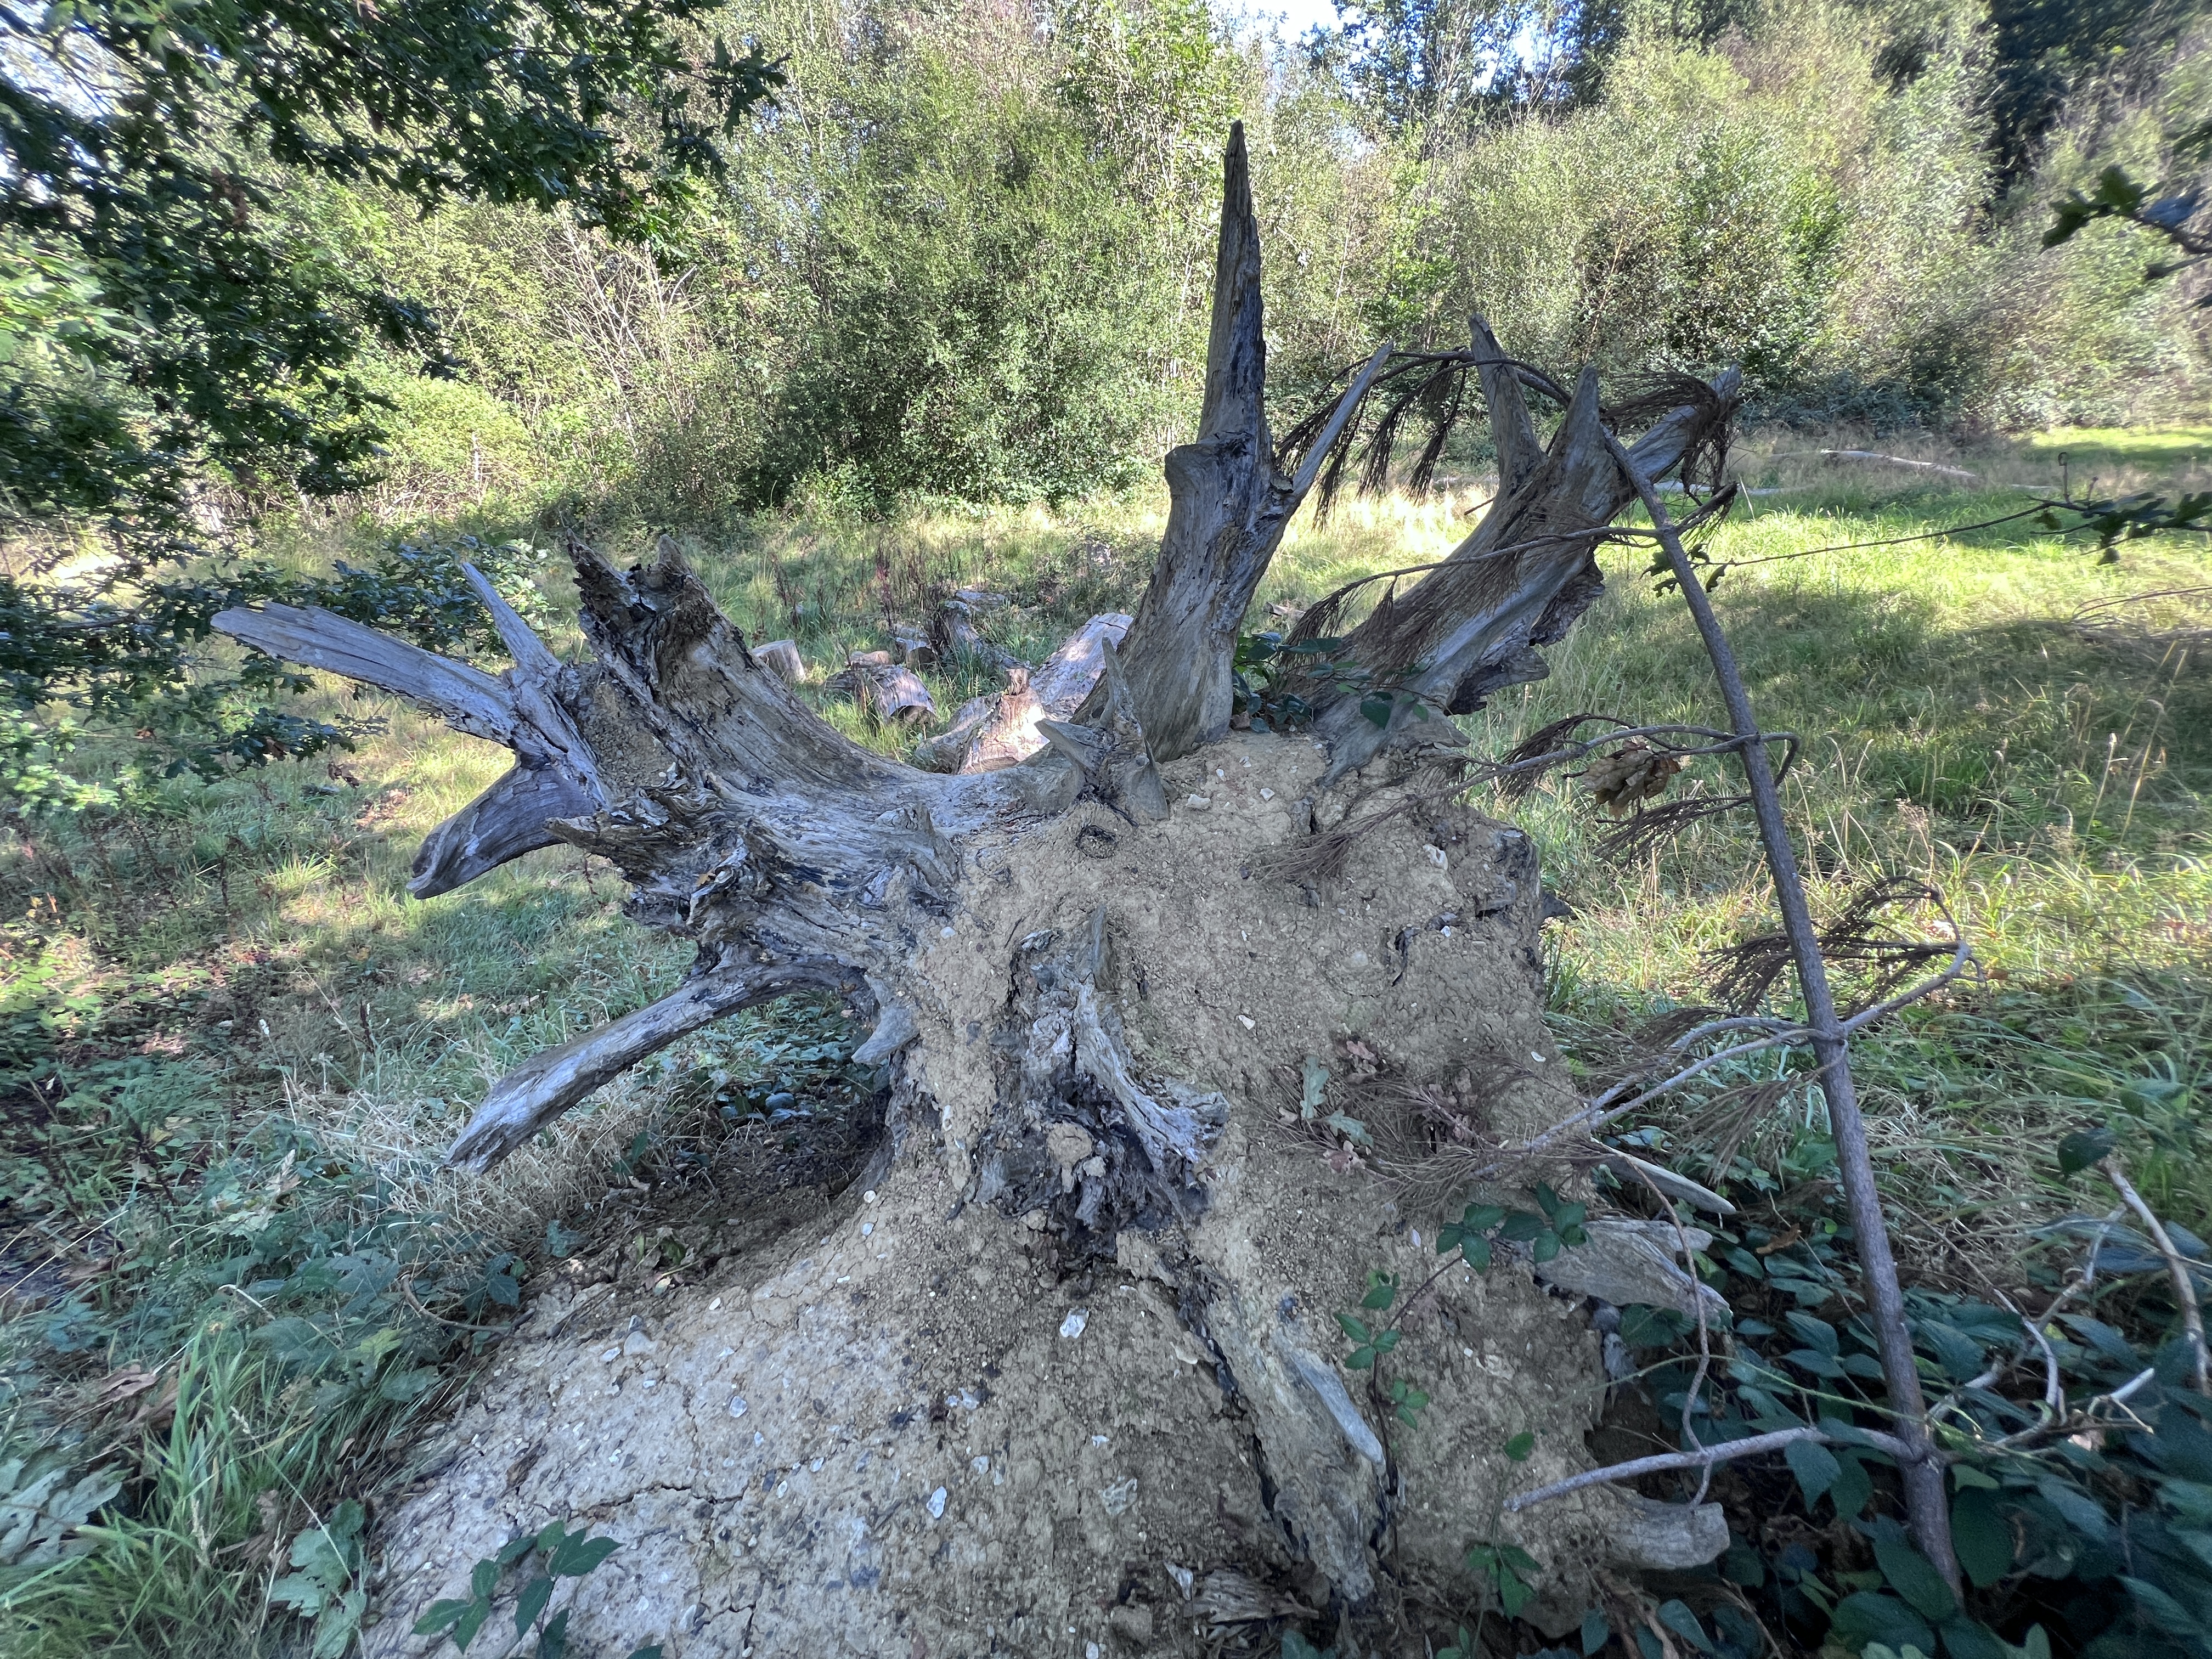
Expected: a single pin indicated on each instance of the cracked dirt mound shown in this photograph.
(938, 1420)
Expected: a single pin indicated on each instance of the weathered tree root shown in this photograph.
(1081, 1345)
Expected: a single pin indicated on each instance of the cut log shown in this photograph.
(913, 648)
(1057, 691)
(783, 656)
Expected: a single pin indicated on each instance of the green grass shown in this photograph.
(237, 1049)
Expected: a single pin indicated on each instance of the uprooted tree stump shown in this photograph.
(1062, 1367)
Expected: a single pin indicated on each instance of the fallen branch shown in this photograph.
(1876, 456)
(1705, 1456)
(1926, 1507)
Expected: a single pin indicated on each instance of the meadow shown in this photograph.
(239, 1282)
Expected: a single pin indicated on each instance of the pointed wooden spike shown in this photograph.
(1519, 453)
(1236, 348)
(530, 653)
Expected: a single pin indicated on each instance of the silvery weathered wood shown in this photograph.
(1228, 506)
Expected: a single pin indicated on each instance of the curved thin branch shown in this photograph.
(547, 1085)
(1705, 1457)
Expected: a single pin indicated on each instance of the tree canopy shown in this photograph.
(172, 324)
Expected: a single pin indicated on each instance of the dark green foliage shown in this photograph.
(2099, 1540)
(980, 294)
(179, 343)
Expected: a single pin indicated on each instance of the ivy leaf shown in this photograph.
(2163, 1610)
(441, 1617)
(1815, 1467)
(1868, 1616)
(579, 1555)
(1677, 1617)
(1513, 1593)
(535, 1595)
(2083, 1148)
(1913, 1576)
(471, 1621)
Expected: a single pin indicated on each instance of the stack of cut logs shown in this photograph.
(988, 732)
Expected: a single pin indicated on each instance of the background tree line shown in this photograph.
(962, 254)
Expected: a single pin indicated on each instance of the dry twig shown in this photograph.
(2184, 1287)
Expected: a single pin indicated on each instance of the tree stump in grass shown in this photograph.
(1062, 1369)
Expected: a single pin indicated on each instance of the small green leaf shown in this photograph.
(1866, 1616)
(483, 1577)
(441, 1617)
(465, 1631)
(1596, 1632)
(1377, 708)
(2161, 1609)
(1513, 1595)
(1360, 1358)
(1482, 1218)
(1853, 1487)
(1355, 1328)
(651, 1650)
(1815, 1467)
(1382, 1291)
(1544, 1246)
(535, 1595)
(1315, 1088)
(1385, 1340)
(1982, 1536)
(1520, 1225)
(579, 1555)
(2083, 1148)
(1520, 1446)
(1677, 1617)
(1351, 1128)
(1477, 1254)
(553, 1640)
(514, 1549)
(1913, 1576)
